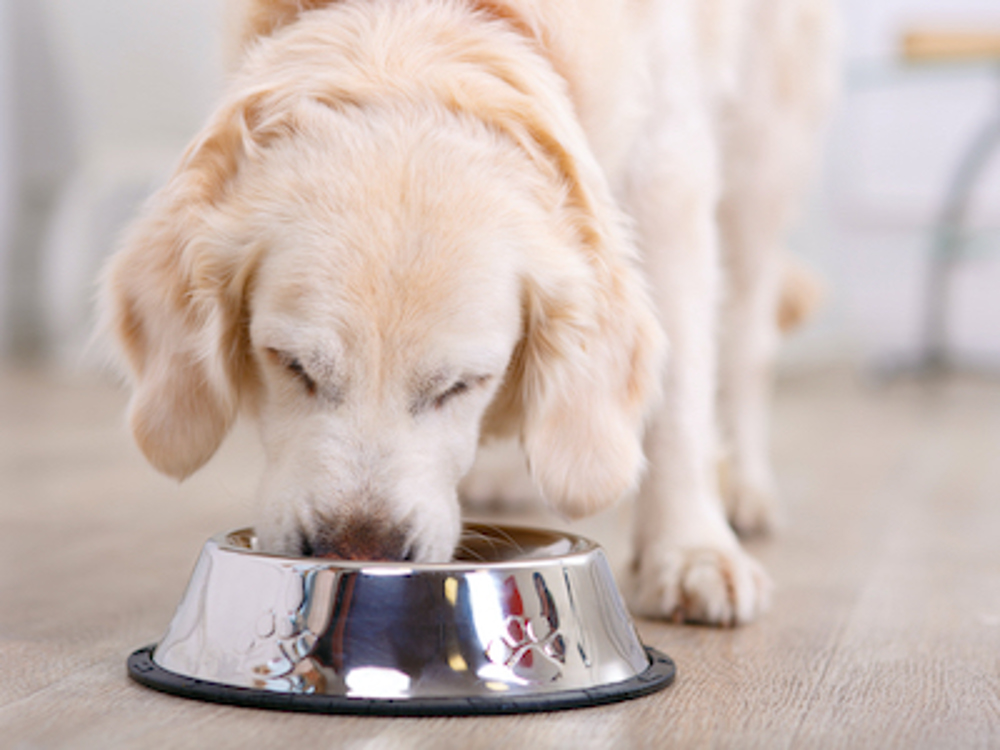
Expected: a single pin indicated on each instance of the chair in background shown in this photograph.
(950, 231)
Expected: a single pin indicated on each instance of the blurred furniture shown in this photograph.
(949, 236)
(931, 45)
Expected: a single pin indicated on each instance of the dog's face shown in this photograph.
(378, 286)
(381, 330)
(371, 417)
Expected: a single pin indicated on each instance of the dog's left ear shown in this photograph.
(173, 300)
(588, 369)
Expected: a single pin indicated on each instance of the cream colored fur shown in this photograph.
(415, 224)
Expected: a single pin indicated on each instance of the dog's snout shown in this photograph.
(358, 539)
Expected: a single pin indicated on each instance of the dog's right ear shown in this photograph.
(173, 301)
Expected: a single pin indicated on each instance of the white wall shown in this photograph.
(7, 194)
(99, 79)
(136, 71)
(106, 93)
(897, 137)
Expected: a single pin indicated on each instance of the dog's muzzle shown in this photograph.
(358, 538)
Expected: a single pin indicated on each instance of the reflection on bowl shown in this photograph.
(524, 619)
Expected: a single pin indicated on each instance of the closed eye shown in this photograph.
(294, 366)
(458, 388)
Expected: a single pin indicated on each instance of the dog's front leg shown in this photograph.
(748, 339)
(688, 563)
(770, 127)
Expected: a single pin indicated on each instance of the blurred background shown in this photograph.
(98, 98)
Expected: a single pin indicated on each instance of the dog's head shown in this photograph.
(377, 285)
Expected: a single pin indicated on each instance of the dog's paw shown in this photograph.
(752, 506)
(752, 511)
(713, 585)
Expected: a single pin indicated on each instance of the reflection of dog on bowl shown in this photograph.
(364, 634)
(497, 632)
(414, 225)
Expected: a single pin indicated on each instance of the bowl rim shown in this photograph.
(660, 672)
(581, 548)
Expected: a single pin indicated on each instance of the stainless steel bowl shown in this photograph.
(526, 619)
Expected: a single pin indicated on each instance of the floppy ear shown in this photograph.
(588, 372)
(588, 369)
(173, 300)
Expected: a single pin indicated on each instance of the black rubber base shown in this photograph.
(145, 671)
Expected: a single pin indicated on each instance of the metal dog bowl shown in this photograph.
(526, 620)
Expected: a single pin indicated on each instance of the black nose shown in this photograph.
(358, 538)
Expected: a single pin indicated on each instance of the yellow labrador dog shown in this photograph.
(412, 225)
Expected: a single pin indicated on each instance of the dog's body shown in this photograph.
(418, 223)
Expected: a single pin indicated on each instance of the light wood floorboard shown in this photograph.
(885, 630)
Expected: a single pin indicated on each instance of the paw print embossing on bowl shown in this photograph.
(532, 648)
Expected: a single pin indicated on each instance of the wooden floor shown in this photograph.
(885, 630)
